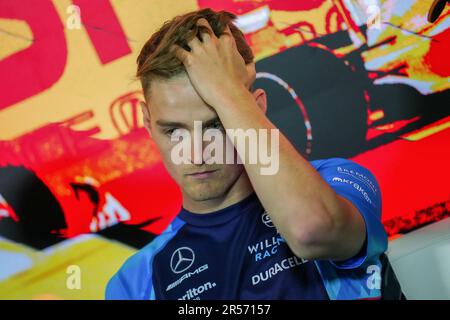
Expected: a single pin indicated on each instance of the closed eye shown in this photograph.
(215, 125)
(170, 131)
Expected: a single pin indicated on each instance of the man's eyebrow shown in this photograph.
(164, 123)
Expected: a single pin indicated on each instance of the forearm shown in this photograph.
(300, 203)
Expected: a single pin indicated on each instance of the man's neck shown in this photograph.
(239, 191)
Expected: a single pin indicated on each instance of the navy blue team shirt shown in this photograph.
(237, 253)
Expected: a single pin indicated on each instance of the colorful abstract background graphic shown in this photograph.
(82, 183)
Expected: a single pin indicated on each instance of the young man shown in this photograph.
(308, 230)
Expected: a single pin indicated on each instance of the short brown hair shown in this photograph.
(157, 60)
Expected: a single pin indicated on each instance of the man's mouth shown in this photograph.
(202, 174)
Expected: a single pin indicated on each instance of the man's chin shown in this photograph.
(204, 193)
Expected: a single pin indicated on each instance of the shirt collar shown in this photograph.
(220, 216)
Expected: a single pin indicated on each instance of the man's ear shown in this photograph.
(261, 99)
(146, 116)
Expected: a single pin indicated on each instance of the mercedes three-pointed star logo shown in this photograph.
(182, 259)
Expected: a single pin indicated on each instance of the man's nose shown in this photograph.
(197, 150)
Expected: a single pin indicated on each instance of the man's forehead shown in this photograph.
(169, 90)
(176, 97)
(174, 93)
(165, 89)
(176, 100)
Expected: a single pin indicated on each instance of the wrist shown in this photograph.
(236, 97)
